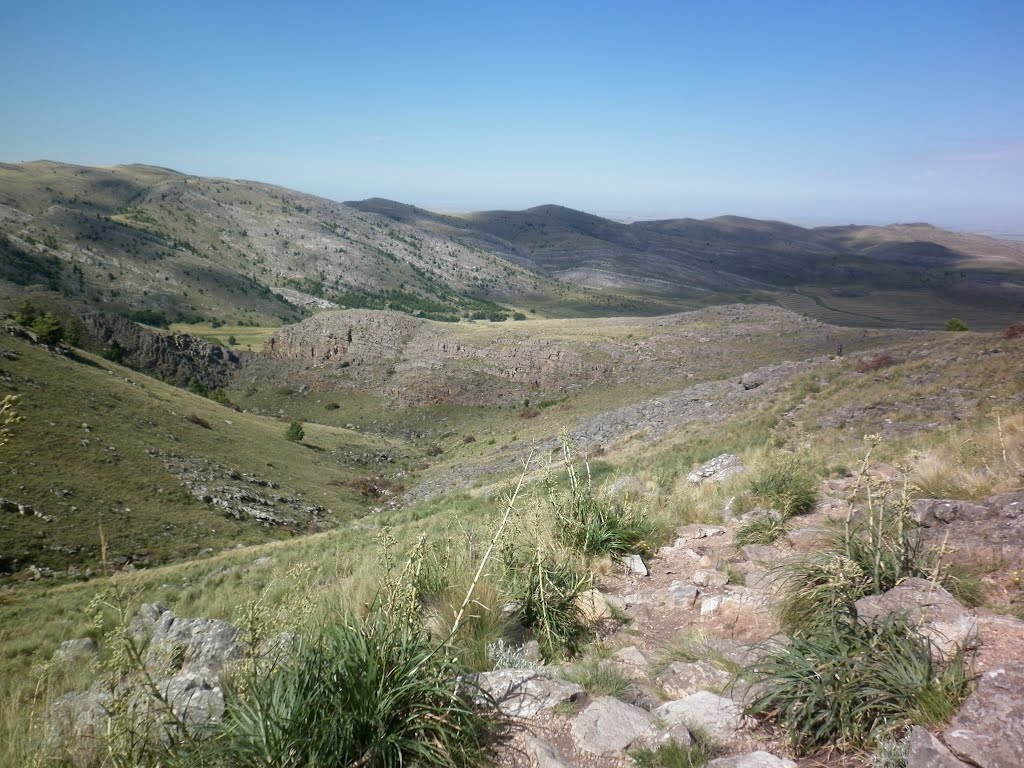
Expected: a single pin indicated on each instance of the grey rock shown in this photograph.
(697, 531)
(946, 623)
(630, 655)
(192, 647)
(682, 678)
(527, 692)
(719, 716)
(635, 564)
(989, 729)
(926, 751)
(761, 553)
(933, 512)
(76, 649)
(717, 470)
(194, 700)
(759, 759)
(714, 579)
(609, 727)
(682, 594)
(545, 755)
(710, 605)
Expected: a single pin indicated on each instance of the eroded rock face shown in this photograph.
(926, 751)
(991, 529)
(989, 730)
(940, 618)
(175, 357)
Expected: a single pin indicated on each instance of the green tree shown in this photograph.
(295, 432)
(956, 324)
(232, 340)
(48, 328)
(25, 314)
(195, 386)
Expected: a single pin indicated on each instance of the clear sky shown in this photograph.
(814, 112)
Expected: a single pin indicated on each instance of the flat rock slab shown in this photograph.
(989, 729)
(609, 727)
(759, 759)
(946, 623)
(719, 716)
(682, 678)
(527, 692)
(545, 755)
(681, 594)
(926, 751)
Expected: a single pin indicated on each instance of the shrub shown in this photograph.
(294, 432)
(25, 314)
(1013, 331)
(852, 685)
(955, 324)
(874, 362)
(788, 483)
(677, 755)
(599, 678)
(48, 328)
(374, 692)
(232, 341)
(765, 528)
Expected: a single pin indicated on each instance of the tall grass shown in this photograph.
(852, 685)
(787, 482)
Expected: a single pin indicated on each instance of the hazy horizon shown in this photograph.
(811, 114)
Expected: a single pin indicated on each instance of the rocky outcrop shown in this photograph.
(175, 357)
(527, 692)
(717, 470)
(991, 529)
(988, 732)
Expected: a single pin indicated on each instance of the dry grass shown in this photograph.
(974, 463)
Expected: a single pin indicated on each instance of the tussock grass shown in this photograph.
(599, 678)
(852, 685)
(676, 755)
(761, 529)
(787, 482)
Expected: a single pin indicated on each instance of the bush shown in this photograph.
(294, 432)
(765, 528)
(48, 328)
(955, 324)
(374, 692)
(874, 362)
(787, 483)
(1013, 331)
(853, 684)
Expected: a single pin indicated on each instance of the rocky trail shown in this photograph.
(678, 626)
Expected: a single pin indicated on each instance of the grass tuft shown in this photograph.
(787, 482)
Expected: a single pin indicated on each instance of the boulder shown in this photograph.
(681, 594)
(610, 727)
(719, 716)
(947, 624)
(932, 512)
(988, 732)
(759, 759)
(78, 648)
(593, 606)
(926, 751)
(682, 678)
(527, 692)
(713, 579)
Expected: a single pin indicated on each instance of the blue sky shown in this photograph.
(813, 112)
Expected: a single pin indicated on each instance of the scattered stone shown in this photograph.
(593, 606)
(531, 653)
(719, 716)
(682, 594)
(527, 692)
(78, 648)
(635, 564)
(761, 553)
(807, 539)
(713, 579)
(631, 655)
(545, 755)
(609, 726)
(947, 624)
(682, 678)
(989, 729)
(710, 605)
(926, 751)
(759, 759)
(717, 470)
(698, 531)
